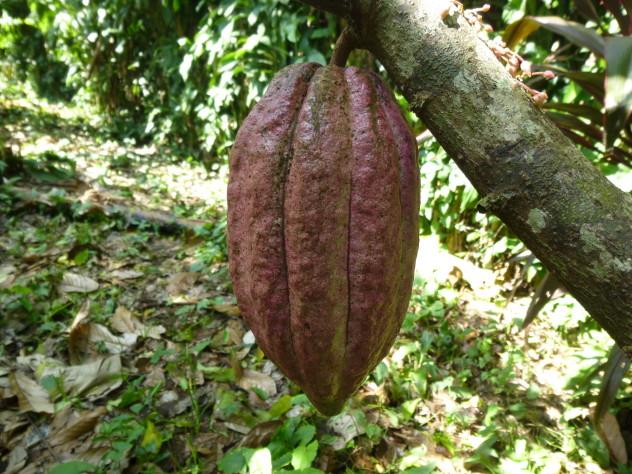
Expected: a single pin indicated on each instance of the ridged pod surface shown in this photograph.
(323, 211)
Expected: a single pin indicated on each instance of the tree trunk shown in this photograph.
(528, 173)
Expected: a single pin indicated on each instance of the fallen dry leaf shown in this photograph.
(124, 321)
(82, 315)
(346, 427)
(440, 265)
(31, 395)
(88, 340)
(123, 274)
(155, 376)
(101, 335)
(237, 428)
(75, 283)
(228, 309)
(13, 426)
(235, 331)
(78, 334)
(37, 363)
(253, 379)
(93, 379)
(82, 423)
(5, 388)
(171, 404)
(181, 283)
(261, 434)
(17, 460)
(7, 275)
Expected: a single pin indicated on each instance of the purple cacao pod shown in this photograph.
(323, 216)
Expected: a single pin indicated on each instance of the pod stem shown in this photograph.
(347, 42)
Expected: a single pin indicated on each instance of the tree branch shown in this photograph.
(346, 43)
(528, 173)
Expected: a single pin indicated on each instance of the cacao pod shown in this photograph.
(323, 215)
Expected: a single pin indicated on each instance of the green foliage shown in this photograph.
(72, 467)
(184, 72)
(24, 39)
(600, 64)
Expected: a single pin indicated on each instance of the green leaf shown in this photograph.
(409, 407)
(50, 383)
(576, 33)
(316, 57)
(72, 467)
(586, 111)
(303, 456)
(618, 86)
(233, 462)
(152, 439)
(572, 122)
(281, 406)
(429, 469)
(592, 82)
(305, 434)
(82, 257)
(218, 374)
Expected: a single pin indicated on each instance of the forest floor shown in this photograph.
(122, 348)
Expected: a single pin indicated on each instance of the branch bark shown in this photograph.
(527, 172)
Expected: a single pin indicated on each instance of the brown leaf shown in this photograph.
(123, 321)
(171, 404)
(228, 309)
(252, 379)
(346, 427)
(31, 395)
(79, 334)
(37, 363)
(237, 427)
(155, 376)
(17, 459)
(7, 275)
(123, 274)
(181, 283)
(261, 434)
(94, 379)
(5, 388)
(88, 339)
(236, 331)
(75, 283)
(13, 426)
(83, 423)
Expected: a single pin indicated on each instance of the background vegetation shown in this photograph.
(116, 118)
